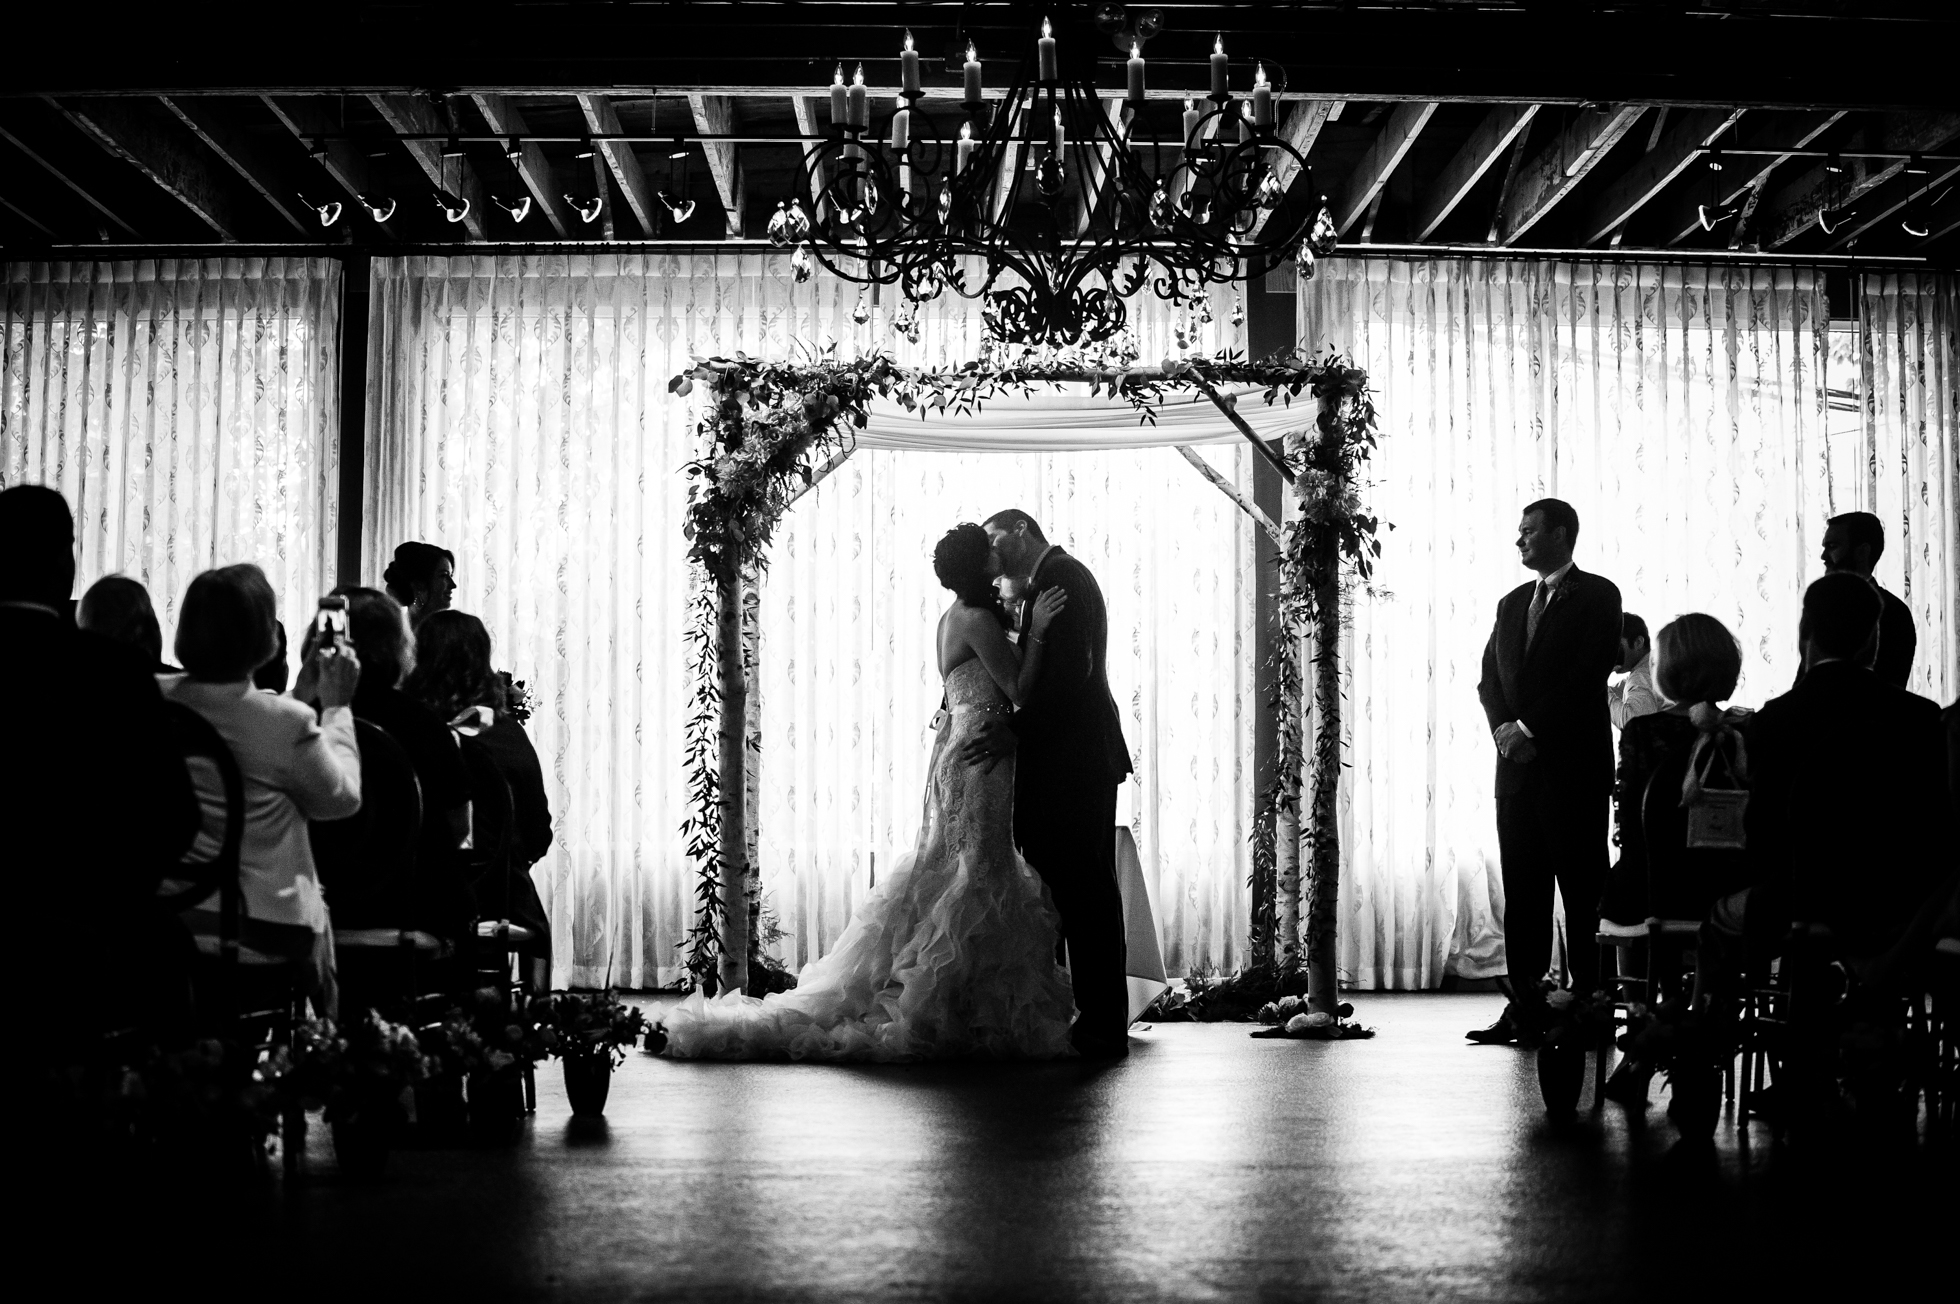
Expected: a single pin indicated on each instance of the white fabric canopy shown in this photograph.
(1068, 419)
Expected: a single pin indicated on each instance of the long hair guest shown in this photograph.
(377, 626)
(294, 767)
(422, 577)
(453, 677)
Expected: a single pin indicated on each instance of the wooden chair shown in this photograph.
(501, 944)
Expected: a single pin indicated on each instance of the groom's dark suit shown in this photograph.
(1551, 810)
(1072, 758)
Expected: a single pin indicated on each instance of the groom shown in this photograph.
(1072, 760)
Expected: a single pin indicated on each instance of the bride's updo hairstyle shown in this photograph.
(960, 562)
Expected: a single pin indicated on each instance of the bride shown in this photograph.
(954, 953)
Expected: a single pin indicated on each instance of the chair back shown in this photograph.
(211, 864)
(366, 862)
(493, 831)
(1682, 881)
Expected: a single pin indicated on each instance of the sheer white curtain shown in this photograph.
(518, 415)
(188, 410)
(1676, 408)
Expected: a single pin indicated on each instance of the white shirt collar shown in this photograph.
(1554, 579)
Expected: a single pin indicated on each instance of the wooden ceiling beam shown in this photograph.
(340, 159)
(41, 156)
(1794, 209)
(411, 113)
(245, 155)
(1300, 127)
(714, 115)
(26, 217)
(533, 168)
(1673, 216)
(125, 131)
(620, 158)
(1479, 154)
(1688, 136)
(1391, 145)
(1880, 209)
(1551, 175)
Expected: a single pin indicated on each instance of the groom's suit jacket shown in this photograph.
(1069, 726)
(1557, 685)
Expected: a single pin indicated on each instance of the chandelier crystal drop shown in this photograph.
(1055, 204)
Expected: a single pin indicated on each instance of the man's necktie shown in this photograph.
(1532, 616)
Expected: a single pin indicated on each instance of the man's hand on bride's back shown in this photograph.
(985, 749)
(1046, 607)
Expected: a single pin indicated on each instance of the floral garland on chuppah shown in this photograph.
(768, 428)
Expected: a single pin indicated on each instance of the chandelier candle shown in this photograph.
(1136, 71)
(840, 109)
(964, 149)
(1190, 124)
(1046, 53)
(972, 74)
(860, 106)
(908, 66)
(1262, 99)
(901, 129)
(1061, 139)
(1220, 68)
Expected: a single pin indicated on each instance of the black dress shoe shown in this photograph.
(1501, 1033)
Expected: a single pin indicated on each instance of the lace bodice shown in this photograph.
(970, 688)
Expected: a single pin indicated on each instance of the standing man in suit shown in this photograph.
(1853, 543)
(1071, 760)
(1544, 692)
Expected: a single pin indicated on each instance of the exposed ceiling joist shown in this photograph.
(1673, 217)
(22, 143)
(619, 156)
(1096, 185)
(1687, 136)
(1391, 145)
(533, 168)
(805, 108)
(1300, 128)
(26, 217)
(242, 153)
(146, 143)
(1013, 161)
(1551, 175)
(1460, 176)
(310, 122)
(451, 173)
(1794, 209)
(714, 115)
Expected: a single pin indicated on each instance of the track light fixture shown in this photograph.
(1915, 165)
(514, 150)
(587, 209)
(453, 209)
(453, 147)
(1831, 220)
(329, 212)
(379, 209)
(1834, 163)
(1917, 220)
(586, 149)
(682, 209)
(316, 148)
(518, 210)
(1711, 217)
(1714, 158)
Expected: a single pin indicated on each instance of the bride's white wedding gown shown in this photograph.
(952, 955)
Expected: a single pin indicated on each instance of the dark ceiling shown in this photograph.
(1560, 126)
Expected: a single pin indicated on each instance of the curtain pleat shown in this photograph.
(187, 409)
(518, 415)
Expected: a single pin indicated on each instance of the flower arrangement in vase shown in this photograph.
(589, 1032)
(489, 1046)
(362, 1076)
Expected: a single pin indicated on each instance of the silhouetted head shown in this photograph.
(452, 665)
(1017, 541)
(422, 577)
(964, 563)
(1696, 659)
(1547, 531)
(1853, 543)
(1840, 619)
(37, 546)
(118, 608)
(378, 629)
(225, 630)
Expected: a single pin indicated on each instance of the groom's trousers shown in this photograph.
(1067, 831)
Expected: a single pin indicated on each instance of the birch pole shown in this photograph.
(733, 967)
(1286, 833)
(1323, 921)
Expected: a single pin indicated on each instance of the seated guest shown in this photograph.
(1664, 870)
(454, 679)
(273, 676)
(294, 767)
(1633, 695)
(378, 628)
(118, 608)
(1853, 543)
(95, 800)
(422, 577)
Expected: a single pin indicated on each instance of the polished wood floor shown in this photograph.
(1206, 1166)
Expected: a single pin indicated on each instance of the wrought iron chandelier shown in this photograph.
(934, 202)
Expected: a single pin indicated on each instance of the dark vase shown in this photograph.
(441, 1119)
(496, 1107)
(587, 1080)
(360, 1144)
(1561, 1077)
